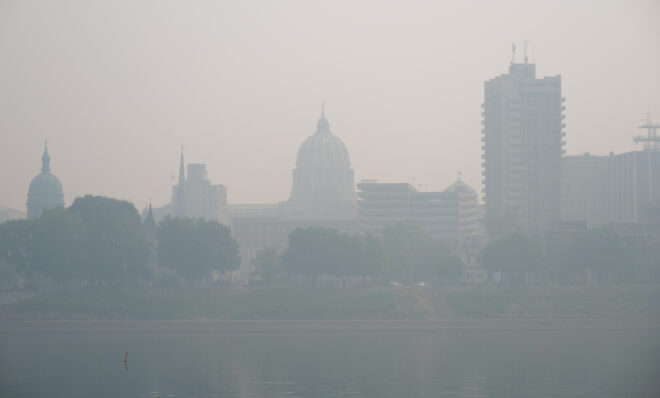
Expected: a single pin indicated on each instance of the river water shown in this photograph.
(196, 359)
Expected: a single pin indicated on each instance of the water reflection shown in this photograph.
(192, 363)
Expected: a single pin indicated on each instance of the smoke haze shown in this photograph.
(117, 87)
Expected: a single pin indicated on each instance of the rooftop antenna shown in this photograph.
(651, 140)
(525, 43)
(513, 53)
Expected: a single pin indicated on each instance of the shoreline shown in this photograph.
(323, 326)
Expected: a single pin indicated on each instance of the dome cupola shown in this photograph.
(323, 176)
(45, 190)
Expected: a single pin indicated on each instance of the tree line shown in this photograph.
(592, 256)
(101, 241)
(405, 254)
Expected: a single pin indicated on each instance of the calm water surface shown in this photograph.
(190, 361)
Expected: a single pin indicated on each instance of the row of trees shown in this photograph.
(101, 241)
(405, 254)
(598, 255)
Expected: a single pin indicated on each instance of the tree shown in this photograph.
(195, 247)
(56, 247)
(605, 252)
(514, 254)
(500, 223)
(371, 256)
(404, 245)
(9, 275)
(413, 256)
(115, 248)
(446, 264)
(313, 252)
(267, 266)
(15, 236)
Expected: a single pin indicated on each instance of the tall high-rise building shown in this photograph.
(522, 147)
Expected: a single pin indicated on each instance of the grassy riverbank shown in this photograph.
(297, 303)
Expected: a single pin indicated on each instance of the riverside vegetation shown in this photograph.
(95, 260)
(371, 303)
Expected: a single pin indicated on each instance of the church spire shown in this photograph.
(180, 191)
(323, 126)
(182, 175)
(149, 221)
(45, 159)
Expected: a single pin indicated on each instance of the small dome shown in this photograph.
(45, 190)
(460, 186)
(46, 184)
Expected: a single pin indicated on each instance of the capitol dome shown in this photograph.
(45, 190)
(323, 177)
(323, 148)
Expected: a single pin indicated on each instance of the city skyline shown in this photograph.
(411, 110)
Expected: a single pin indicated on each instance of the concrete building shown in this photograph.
(444, 215)
(584, 186)
(522, 147)
(633, 181)
(468, 208)
(45, 190)
(194, 196)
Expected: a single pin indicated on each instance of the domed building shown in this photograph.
(323, 182)
(45, 190)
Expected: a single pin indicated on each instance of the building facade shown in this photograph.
(633, 183)
(522, 147)
(445, 215)
(584, 186)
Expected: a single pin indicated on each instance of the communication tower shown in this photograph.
(651, 140)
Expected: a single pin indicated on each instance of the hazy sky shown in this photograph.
(118, 86)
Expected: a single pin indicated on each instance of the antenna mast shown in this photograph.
(651, 140)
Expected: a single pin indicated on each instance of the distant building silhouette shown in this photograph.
(196, 197)
(633, 185)
(584, 186)
(323, 183)
(443, 215)
(323, 195)
(522, 143)
(45, 190)
(7, 214)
